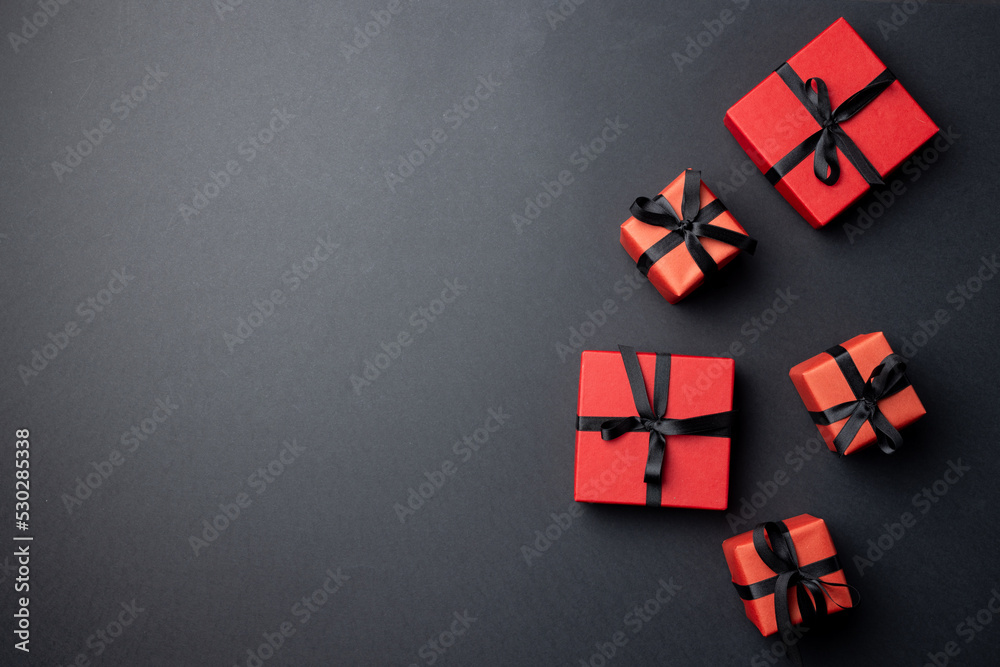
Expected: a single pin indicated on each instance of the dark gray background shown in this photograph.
(493, 347)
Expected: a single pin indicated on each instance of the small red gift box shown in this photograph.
(811, 554)
(872, 124)
(694, 468)
(661, 232)
(857, 394)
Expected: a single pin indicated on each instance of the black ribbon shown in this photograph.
(824, 142)
(888, 378)
(687, 227)
(780, 556)
(651, 419)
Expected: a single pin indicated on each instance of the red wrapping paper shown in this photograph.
(769, 121)
(696, 467)
(822, 385)
(677, 275)
(812, 543)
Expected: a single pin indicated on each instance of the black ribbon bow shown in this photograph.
(824, 142)
(651, 419)
(810, 590)
(888, 378)
(688, 227)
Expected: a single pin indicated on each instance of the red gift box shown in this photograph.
(661, 252)
(771, 121)
(695, 468)
(827, 380)
(815, 557)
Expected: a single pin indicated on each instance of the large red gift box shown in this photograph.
(770, 121)
(813, 546)
(821, 383)
(676, 274)
(695, 467)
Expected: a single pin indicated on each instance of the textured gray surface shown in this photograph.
(431, 266)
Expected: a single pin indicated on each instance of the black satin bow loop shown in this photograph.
(826, 164)
(774, 546)
(689, 227)
(650, 418)
(888, 378)
(823, 144)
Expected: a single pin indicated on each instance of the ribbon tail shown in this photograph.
(888, 438)
(850, 430)
(851, 591)
(856, 157)
(825, 157)
(783, 616)
(812, 600)
(727, 236)
(653, 476)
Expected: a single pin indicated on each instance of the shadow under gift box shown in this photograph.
(821, 384)
(769, 121)
(695, 467)
(676, 275)
(812, 543)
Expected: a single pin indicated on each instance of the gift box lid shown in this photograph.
(696, 467)
(677, 275)
(770, 120)
(821, 384)
(812, 542)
